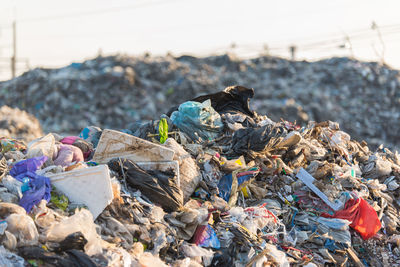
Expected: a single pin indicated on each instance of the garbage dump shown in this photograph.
(112, 92)
(209, 183)
(16, 123)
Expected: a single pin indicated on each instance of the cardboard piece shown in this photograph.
(114, 144)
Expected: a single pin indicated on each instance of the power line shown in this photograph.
(90, 12)
(98, 11)
(338, 41)
(354, 40)
(357, 34)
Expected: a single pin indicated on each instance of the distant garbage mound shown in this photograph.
(118, 90)
(18, 124)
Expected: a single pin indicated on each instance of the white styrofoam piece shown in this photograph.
(114, 144)
(308, 180)
(162, 166)
(90, 186)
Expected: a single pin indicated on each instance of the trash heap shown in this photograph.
(111, 92)
(210, 183)
(18, 124)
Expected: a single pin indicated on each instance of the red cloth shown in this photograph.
(362, 216)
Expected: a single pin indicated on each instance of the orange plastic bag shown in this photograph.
(362, 216)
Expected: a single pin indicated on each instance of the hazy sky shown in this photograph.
(56, 33)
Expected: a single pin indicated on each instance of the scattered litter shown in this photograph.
(209, 183)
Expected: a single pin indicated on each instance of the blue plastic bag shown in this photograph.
(206, 237)
(198, 120)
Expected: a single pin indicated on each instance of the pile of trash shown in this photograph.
(18, 124)
(210, 183)
(111, 92)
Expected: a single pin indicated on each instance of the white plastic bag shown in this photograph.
(44, 146)
(81, 221)
(24, 229)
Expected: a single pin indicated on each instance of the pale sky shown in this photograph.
(55, 33)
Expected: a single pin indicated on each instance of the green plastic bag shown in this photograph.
(61, 201)
(163, 130)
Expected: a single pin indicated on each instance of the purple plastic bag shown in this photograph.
(28, 165)
(40, 187)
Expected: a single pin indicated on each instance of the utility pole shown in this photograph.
(292, 50)
(265, 50)
(14, 56)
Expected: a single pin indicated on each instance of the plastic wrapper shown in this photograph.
(229, 185)
(45, 217)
